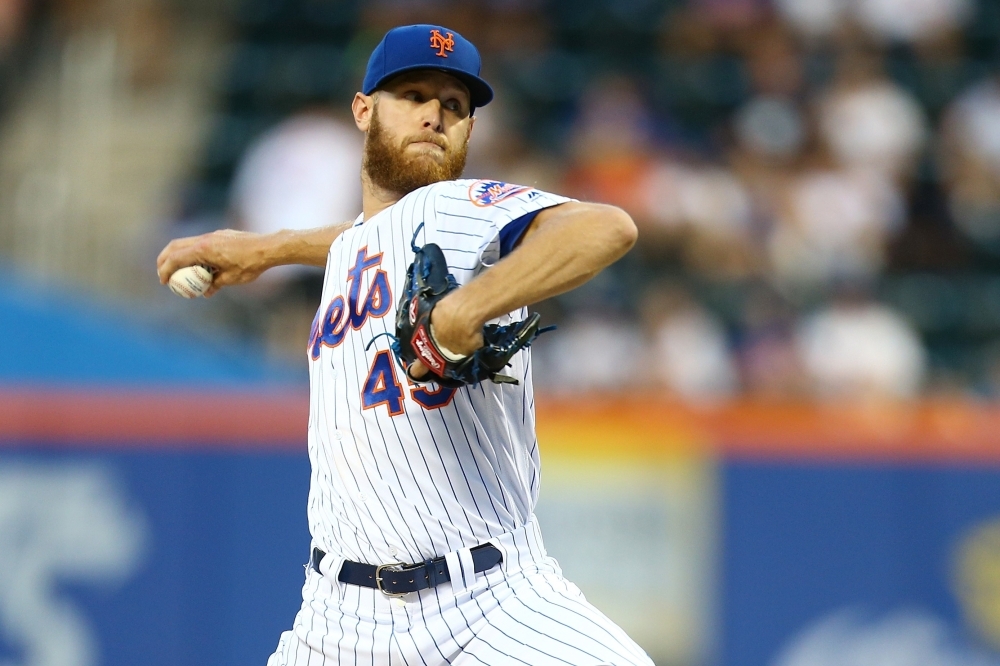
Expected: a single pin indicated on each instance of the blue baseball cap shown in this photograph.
(412, 47)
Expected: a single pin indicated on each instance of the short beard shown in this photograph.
(389, 168)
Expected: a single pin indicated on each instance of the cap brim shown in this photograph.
(480, 92)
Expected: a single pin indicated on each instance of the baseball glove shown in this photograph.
(427, 282)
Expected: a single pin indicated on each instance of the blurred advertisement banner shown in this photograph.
(61, 524)
(860, 564)
(167, 528)
(131, 554)
(629, 513)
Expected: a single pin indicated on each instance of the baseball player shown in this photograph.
(425, 547)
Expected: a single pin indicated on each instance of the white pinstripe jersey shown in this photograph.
(402, 472)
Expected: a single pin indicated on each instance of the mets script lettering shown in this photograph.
(331, 328)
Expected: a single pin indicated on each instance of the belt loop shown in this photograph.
(468, 567)
(333, 568)
(329, 567)
(326, 566)
(507, 562)
(455, 572)
(461, 569)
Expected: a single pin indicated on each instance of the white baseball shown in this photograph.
(191, 281)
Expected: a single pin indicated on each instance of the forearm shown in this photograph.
(238, 257)
(567, 245)
(307, 247)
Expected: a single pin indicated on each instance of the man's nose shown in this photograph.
(431, 115)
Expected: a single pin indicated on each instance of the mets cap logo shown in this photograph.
(442, 43)
(491, 192)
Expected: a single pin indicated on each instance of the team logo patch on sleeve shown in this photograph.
(490, 192)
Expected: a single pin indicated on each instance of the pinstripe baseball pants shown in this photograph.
(521, 612)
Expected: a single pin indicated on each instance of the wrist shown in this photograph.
(455, 325)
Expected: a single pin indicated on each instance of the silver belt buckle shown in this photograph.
(378, 579)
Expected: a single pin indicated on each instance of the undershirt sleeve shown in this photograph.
(513, 231)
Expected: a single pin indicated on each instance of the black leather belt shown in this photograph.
(398, 579)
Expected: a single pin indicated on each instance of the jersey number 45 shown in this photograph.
(383, 388)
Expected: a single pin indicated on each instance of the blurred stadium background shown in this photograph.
(776, 414)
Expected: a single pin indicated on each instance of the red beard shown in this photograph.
(389, 168)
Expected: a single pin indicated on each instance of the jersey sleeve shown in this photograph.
(485, 219)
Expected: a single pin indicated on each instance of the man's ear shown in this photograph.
(363, 107)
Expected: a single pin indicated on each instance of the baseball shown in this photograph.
(191, 281)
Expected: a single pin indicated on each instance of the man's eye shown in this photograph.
(453, 105)
(414, 96)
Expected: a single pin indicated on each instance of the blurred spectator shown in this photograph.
(839, 211)
(911, 20)
(688, 33)
(813, 18)
(707, 208)
(710, 200)
(835, 224)
(860, 349)
(594, 350)
(490, 142)
(610, 144)
(299, 175)
(869, 122)
(769, 363)
(972, 161)
(689, 352)
(731, 13)
(497, 151)
(760, 142)
(771, 132)
(896, 20)
(770, 125)
(974, 122)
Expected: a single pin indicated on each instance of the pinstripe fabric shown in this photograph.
(521, 612)
(413, 485)
(404, 474)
